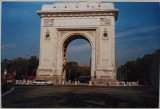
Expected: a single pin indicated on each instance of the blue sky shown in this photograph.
(137, 31)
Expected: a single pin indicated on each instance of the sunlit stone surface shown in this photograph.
(63, 22)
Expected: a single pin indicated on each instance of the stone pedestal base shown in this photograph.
(105, 82)
(101, 76)
(94, 81)
(54, 78)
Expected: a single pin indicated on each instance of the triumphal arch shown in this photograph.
(63, 22)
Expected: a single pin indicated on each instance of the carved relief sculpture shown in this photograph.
(105, 21)
(105, 34)
(47, 35)
(48, 22)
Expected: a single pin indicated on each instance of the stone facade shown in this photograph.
(63, 22)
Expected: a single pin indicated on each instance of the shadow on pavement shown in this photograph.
(75, 100)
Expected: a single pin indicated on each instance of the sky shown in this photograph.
(137, 32)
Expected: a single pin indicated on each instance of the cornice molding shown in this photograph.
(49, 14)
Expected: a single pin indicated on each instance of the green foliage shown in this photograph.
(85, 71)
(138, 70)
(73, 71)
(5, 64)
(33, 65)
(19, 66)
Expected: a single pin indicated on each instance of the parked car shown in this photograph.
(42, 82)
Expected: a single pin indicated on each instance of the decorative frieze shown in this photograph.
(48, 22)
(77, 14)
(105, 21)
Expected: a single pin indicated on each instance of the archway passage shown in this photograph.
(77, 59)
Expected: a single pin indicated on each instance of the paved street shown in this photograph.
(80, 96)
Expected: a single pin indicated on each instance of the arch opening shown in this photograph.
(74, 70)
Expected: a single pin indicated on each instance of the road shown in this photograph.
(81, 97)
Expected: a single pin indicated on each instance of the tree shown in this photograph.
(5, 64)
(85, 71)
(19, 66)
(32, 65)
(137, 70)
(72, 71)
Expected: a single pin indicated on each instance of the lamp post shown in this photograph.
(27, 67)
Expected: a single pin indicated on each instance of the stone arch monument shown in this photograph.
(63, 22)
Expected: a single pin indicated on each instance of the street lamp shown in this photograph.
(27, 67)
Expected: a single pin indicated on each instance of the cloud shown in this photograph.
(78, 49)
(137, 31)
(8, 46)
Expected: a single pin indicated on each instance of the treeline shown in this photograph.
(137, 70)
(20, 66)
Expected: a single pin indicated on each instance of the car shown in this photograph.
(42, 82)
